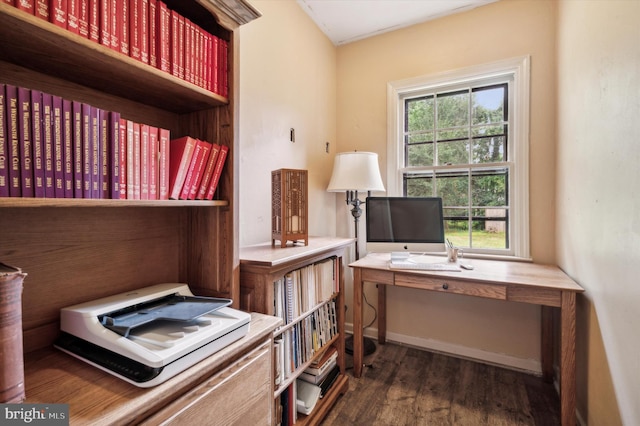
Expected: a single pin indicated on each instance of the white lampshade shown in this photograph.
(356, 171)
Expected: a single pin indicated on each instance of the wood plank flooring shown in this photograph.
(406, 386)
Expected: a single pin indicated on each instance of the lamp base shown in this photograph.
(369, 346)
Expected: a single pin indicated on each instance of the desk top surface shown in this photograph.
(485, 271)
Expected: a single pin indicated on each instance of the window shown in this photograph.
(463, 136)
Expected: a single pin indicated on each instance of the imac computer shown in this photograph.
(409, 224)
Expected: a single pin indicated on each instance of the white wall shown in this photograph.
(598, 198)
(287, 80)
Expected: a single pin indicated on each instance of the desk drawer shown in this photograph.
(448, 285)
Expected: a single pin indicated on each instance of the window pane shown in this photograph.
(489, 150)
(497, 129)
(489, 188)
(453, 152)
(488, 105)
(453, 109)
(419, 186)
(419, 155)
(419, 137)
(419, 114)
(453, 188)
(457, 231)
(489, 228)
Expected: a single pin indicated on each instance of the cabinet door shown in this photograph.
(241, 394)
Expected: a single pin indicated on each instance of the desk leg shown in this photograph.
(382, 314)
(546, 343)
(357, 323)
(568, 359)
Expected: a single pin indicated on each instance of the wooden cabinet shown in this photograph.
(75, 250)
(263, 265)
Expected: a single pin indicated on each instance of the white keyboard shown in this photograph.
(423, 266)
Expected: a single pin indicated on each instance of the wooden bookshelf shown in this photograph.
(260, 267)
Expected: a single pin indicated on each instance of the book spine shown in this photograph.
(114, 29)
(4, 146)
(129, 163)
(58, 13)
(153, 163)
(163, 167)
(181, 152)
(52, 148)
(144, 162)
(86, 151)
(73, 16)
(143, 28)
(215, 56)
(134, 29)
(123, 23)
(213, 185)
(163, 43)
(224, 74)
(94, 20)
(136, 161)
(188, 51)
(57, 135)
(199, 170)
(174, 45)
(206, 75)
(13, 141)
(114, 156)
(26, 5)
(181, 47)
(67, 144)
(37, 144)
(96, 151)
(153, 33)
(105, 154)
(122, 141)
(26, 148)
(191, 170)
(208, 172)
(105, 22)
(78, 149)
(83, 18)
(42, 9)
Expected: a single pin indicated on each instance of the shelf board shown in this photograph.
(80, 202)
(39, 45)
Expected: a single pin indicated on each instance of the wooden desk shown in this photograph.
(543, 285)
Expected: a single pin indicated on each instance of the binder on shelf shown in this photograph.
(307, 396)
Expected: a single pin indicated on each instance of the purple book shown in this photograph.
(87, 150)
(96, 156)
(25, 144)
(105, 152)
(52, 186)
(13, 141)
(77, 149)
(115, 168)
(4, 158)
(67, 144)
(56, 142)
(37, 144)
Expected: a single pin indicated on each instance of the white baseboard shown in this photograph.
(531, 366)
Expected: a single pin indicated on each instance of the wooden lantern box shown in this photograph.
(289, 210)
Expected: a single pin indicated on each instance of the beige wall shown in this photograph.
(287, 80)
(598, 199)
(489, 330)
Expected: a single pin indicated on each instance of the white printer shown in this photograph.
(149, 335)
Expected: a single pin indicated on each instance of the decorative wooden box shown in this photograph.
(289, 210)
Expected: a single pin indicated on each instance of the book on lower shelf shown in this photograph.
(307, 396)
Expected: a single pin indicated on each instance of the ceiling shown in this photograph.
(344, 21)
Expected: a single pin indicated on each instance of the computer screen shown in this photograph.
(413, 224)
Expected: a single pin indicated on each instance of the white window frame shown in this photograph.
(517, 71)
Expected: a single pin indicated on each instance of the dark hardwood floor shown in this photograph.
(406, 386)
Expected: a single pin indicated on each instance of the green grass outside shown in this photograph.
(481, 239)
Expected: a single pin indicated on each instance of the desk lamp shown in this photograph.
(353, 172)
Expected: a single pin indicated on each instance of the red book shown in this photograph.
(123, 25)
(208, 172)
(114, 28)
(25, 137)
(114, 156)
(215, 57)
(206, 60)
(129, 164)
(163, 37)
(26, 5)
(78, 150)
(67, 143)
(73, 16)
(58, 12)
(13, 140)
(163, 164)
(137, 161)
(134, 29)
(224, 74)
(54, 139)
(94, 20)
(199, 170)
(41, 9)
(83, 18)
(144, 161)
(188, 51)
(143, 27)
(153, 33)
(217, 172)
(4, 147)
(105, 154)
(122, 141)
(52, 152)
(180, 154)
(196, 159)
(181, 30)
(153, 163)
(175, 43)
(105, 22)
